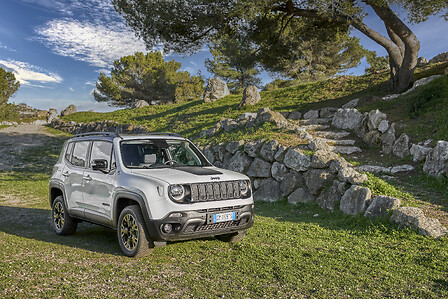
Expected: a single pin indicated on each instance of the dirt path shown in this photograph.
(14, 140)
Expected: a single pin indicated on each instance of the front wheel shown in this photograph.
(232, 238)
(131, 233)
(63, 223)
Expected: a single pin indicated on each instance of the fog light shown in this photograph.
(167, 228)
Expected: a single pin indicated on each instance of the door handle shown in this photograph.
(88, 178)
(66, 173)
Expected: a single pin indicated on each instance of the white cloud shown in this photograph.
(96, 44)
(3, 46)
(26, 73)
(71, 89)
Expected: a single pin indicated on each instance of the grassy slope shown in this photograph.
(292, 251)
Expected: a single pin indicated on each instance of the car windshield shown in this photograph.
(156, 153)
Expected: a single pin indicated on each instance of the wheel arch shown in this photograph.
(126, 198)
(55, 191)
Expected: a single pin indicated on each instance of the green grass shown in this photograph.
(3, 126)
(292, 251)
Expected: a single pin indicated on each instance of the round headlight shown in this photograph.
(244, 188)
(176, 192)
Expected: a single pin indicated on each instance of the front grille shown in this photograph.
(220, 225)
(215, 191)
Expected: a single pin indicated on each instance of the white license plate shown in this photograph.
(223, 217)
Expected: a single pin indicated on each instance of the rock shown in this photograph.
(292, 181)
(251, 96)
(69, 110)
(422, 82)
(439, 58)
(416, 219)
(42, 114)
(267, 115)
(332, 134)
(373, 138)
(401, 168)
(373, 168)
(40, 122)
(312, 114)
(257, 183)
(327, 112)
(226, 160)
(383, 126)
(216, 89)
(253, 148)
(279, 171)
(247, 116)
(337, 164)
(347, 119)
(301, 195)
(355, 200)
(362, 129)
(52, 117)
(348, 174)
(388, 139)
(375, 118)
(319, 144)
(422, 61)
(240, 162)
(280, 154)
(52, 111)
(381, 206)
(322, 159)
(294, 159)
(234, 146)
(347, 150)
(437, 159)
(329, 199)
(295, 115)
(352, 104)
(260, 169)
(269, 190)
(317, 179)
(140, 104)
(269, 149)
(401, 146)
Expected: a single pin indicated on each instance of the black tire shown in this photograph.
(131, 232)
(233, 237)
(62, 222)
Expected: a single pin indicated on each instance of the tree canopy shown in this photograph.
(185, 26)
(146, 77)
(8, 86)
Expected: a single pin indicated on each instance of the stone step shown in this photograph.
(331, 134)
(338, 141)
(348, 150)
(391, 170)
(315, 127)
(315, 121)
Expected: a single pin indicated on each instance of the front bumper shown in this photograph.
(199, 223)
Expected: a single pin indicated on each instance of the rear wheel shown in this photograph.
(63, 223)
(131, 232)
(233, 237)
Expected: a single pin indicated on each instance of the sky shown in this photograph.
(57, 48)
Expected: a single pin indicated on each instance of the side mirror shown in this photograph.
(99, 164)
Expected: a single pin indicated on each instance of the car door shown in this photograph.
(99, 185)
(73, 174)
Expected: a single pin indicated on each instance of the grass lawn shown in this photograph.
(292, 251)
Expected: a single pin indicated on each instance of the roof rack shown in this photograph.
(164, 133)
(108, 134)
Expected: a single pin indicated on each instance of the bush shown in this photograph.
(428, 97)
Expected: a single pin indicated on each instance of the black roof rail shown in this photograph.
(164, 133)
(106, 134)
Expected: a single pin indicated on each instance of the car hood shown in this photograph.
(190, 174)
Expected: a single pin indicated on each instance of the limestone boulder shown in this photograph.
(296, 160)
(240, 162)
(69, 110)
(301, 195)
(362, 129)
(419, 152)
(215, 90)
(268, 150)
(415, 218)
(279, 171)
(381, 206)
(347, 118)
(351, 104)
(280, 154)
(251, 96)
(312, 114)
(332, 196)
(269, 190)
(319, 144)
(437, 159)
(388, 139)
(373, 138)
(355, 200)
(267, 115)
(260, 169)
(234, 146)
(140, 104)
(439, 58)
(383, 126)
(322, 159)
(317, 179)
(422, 61)
(348, 174)
(328, 112)
(337, 164)
(401, 146)
(295, 115)
(253, 148)
(292, 181)
(375, 118)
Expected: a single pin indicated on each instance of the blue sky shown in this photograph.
(57, 48)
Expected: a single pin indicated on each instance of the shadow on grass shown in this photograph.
(36, 224)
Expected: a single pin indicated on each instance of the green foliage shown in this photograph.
(429, 97)
(381, 187)
(8, 112)
(376, 63)
(146, 77)
(8, 86)
(234, 61)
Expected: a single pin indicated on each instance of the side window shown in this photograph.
(101, 150)
(68, 152)
(80, 150)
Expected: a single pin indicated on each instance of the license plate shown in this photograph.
(223, 217)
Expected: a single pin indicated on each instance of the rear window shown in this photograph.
(79, 157)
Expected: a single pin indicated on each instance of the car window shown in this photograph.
(68, 152)
(80, 150)
(101, 150)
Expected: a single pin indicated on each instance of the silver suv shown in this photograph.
(151, 188)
